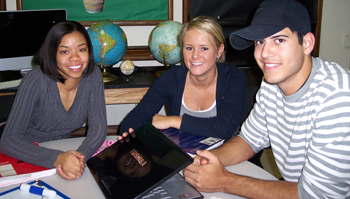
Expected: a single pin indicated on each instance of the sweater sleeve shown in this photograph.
(150, 104)
(97, 119)
(230, 98)
(13, 142)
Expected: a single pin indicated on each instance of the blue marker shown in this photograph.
(38, 190)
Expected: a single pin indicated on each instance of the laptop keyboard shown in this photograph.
(157, 193)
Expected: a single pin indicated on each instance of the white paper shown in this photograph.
(16, 179)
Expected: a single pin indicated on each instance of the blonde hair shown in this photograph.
(206, 26)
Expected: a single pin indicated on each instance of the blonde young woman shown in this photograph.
(204, 96)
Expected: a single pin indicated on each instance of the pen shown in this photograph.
(38, 190)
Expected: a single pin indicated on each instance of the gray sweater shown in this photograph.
(38, 115)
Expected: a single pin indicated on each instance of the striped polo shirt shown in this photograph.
(309, 131)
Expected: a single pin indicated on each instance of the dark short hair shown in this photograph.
(46, 56)
(299, 35)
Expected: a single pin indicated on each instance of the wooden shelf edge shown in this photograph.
(81, 132)
(138, 53)
(125, 95)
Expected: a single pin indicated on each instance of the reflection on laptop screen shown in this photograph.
(132, 168)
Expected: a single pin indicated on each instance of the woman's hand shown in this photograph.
(164, 122)
(70, 165)
(125, 137)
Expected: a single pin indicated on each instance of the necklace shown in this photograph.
(194, 96)
(70, 97)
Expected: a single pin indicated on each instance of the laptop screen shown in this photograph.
(134, 166)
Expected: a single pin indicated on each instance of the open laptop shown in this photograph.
(142, 165)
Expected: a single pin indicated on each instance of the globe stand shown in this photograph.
(158, 73)
(107, 77)
(127, 77)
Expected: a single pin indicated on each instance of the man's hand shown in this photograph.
(199, 160)
(205, 168)
(70, 165)
(207, 174)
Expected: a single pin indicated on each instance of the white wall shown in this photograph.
(11, 4)
(335, 26)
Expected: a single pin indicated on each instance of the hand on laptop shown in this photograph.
(203, 170)
(70, 165)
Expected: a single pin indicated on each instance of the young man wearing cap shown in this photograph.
(302, 111)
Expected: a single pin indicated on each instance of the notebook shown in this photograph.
(190, 143)
(10, 166)
(140, 165)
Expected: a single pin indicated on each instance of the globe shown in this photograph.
(127, 67)
(163, 42)
(109, 43)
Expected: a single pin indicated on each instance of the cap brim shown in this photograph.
(245, 37)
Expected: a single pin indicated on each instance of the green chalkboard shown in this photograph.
(114, 10)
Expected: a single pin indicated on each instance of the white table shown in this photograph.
(86, 186)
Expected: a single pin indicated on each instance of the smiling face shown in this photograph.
(283, 60)
(72, 55)
(198, 52)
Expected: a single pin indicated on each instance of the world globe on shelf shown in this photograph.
(109, 43)
(127, 67)
(163, 42)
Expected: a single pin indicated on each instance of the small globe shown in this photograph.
(163, 42)
(109, 43)
(127, 67)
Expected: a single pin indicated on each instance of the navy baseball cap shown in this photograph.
(271, 17)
